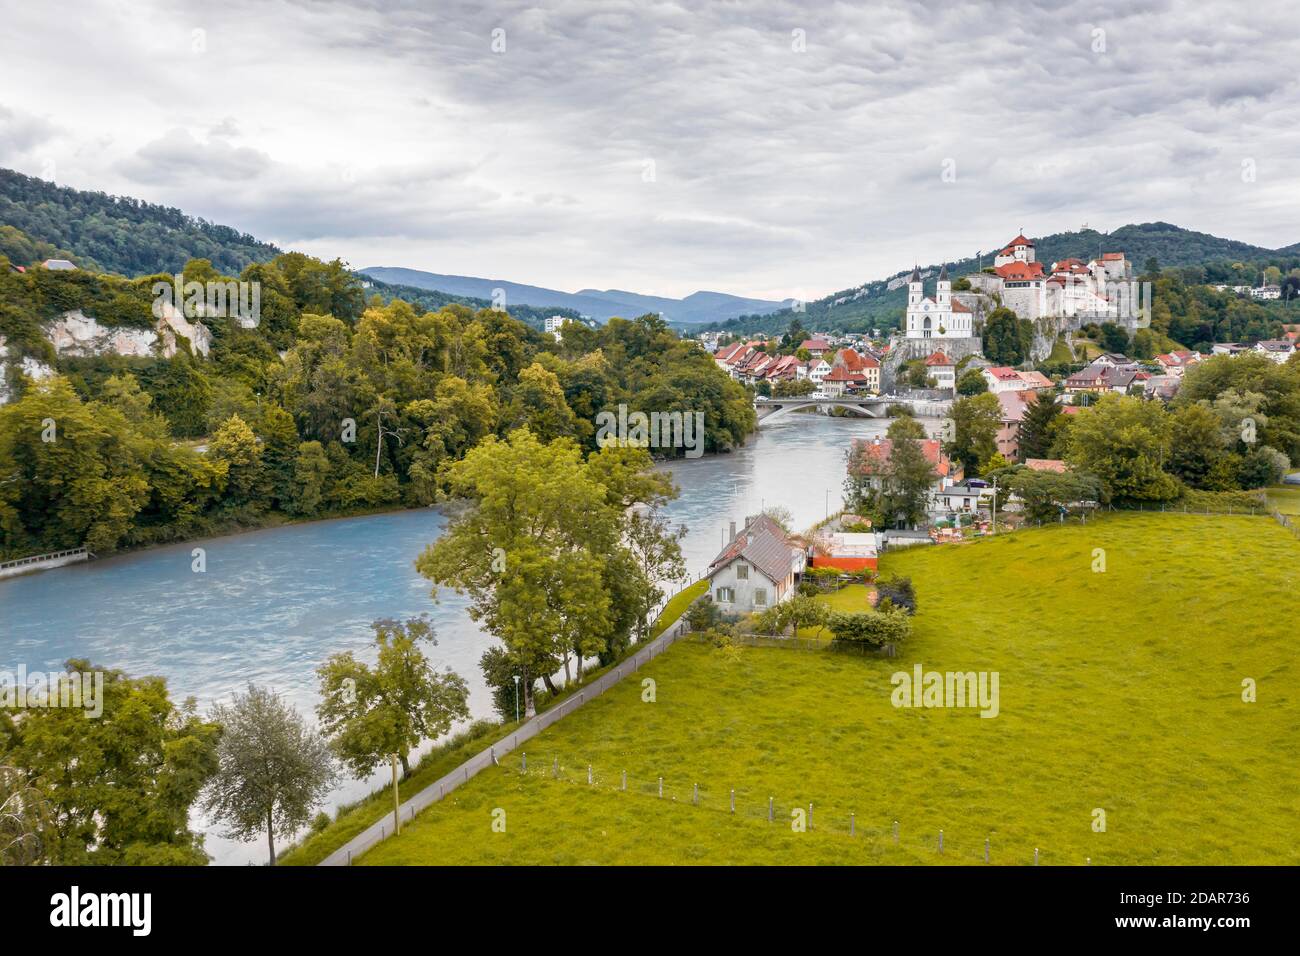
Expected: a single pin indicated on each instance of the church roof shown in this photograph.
(1020, 240)
(916, 274)
(943, 273)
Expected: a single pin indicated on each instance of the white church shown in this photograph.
(942, 317)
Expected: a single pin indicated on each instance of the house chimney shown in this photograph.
(733, 532)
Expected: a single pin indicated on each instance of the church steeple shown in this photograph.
(943, 291)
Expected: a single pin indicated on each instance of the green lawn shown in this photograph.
(1118, 690)
(677, 606)
(1285, 498)
(852, 597)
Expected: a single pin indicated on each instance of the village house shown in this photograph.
(851, 371)
(1013, 413)
(1175, 363)
(942, 369)
(1228, 348)
(1279, 350)
(1001, 378)
(816, 347)
(758, 568)
(869, 457)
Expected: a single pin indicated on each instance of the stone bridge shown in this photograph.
(871, 406)
(868, 406)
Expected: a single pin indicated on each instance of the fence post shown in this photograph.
(1035, 856)
(624, 779)
(661, 788)
(524, 767)
(769, 809)
(986, 849)
(940, 841)
(1087, 861)
(851, 827)
(695, 794)
(555, 767)
(895, 831)
(733, 799)
(589, 775)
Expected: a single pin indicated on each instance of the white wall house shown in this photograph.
(758, 568)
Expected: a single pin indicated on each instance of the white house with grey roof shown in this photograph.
(757, 569)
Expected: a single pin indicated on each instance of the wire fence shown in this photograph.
(1286, 522)
(879, 833)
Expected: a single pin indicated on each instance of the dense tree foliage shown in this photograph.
(120, 785)
(117, 233)
(330, 405)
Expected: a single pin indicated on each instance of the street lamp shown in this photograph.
(516, 698)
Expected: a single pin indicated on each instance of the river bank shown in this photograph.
(273, 603)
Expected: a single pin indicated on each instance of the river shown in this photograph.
(273, 604)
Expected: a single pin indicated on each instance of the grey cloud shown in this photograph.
(391, 125)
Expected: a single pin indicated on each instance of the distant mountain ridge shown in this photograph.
(699, 307)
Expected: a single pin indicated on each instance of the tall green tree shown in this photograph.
(272, 769)
(976, 421)
(393, 707)
(1038, 426)
(1126, 443)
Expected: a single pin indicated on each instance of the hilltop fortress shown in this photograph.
(1061, 299)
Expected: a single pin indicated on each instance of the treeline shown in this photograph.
(117, 233)
(330, 406)
(1234, 426)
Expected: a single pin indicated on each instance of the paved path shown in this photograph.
(382, 829)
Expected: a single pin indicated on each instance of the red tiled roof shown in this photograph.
(1045, 464)
(1003, 372)
(876, 452)
(938, 358)
(1019, 241)
(1020, 271)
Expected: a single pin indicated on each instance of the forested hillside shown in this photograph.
(333, 403)
(115, 233)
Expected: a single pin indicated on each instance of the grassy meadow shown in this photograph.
(1120, 690)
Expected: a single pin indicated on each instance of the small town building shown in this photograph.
(759, 567)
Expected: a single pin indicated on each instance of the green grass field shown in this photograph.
(1285, 498)
(1119, 690)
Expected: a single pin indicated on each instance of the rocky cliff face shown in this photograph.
(77, 334)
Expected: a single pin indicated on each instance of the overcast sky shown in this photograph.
(760, 148)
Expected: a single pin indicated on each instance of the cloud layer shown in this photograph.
(755, 148)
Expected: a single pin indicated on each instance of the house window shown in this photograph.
(760, 597)
(726, 595)
(742, 572)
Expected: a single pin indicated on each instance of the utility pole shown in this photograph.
(397, 801)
